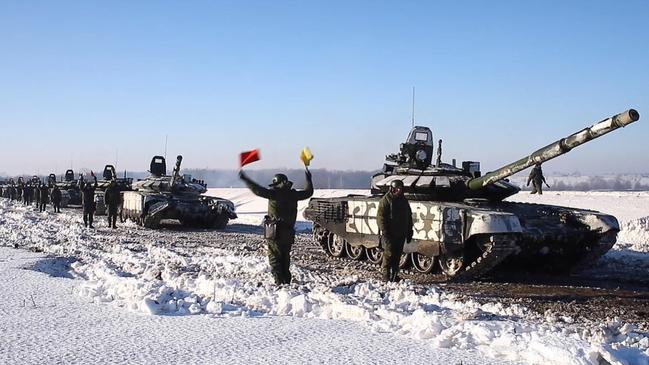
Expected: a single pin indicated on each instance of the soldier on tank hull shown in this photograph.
(282, 213)
(394, 219)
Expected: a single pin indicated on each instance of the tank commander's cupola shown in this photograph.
(158, 166)
(417, 151)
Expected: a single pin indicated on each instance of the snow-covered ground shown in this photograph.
(43, 322)
(136, 298)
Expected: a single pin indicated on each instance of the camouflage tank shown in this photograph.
(174, 197)
(109, 174)
(5, 187)
(70, 192)
(462, 225)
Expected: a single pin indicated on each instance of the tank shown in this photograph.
(463, 227)
(70, 192)
(109, 175)
(6, 188)
(162, 197)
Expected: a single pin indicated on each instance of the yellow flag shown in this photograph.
(306, 156)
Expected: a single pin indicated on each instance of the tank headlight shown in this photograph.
(421, 155)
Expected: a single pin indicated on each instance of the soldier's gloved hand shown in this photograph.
(241, 175)
(308, 174)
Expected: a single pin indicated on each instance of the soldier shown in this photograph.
(19, 189)
(12, 192)
(44, 197)
(112, 200)
(394, 218)
(25, 194)
(37, 194)
(56, 199)
(88, 201)
(29, 190)
(537, 179)
(282, 212)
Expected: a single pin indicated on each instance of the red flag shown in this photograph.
(249, 157)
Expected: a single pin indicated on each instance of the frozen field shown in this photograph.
(142, 296)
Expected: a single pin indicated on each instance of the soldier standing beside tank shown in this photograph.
(30, 193)
(537, 179)
(26, 192)
(19, 189)
(88, 201)
(282, 211)
(56, 199)
(394, 218)
(12, 192)
(112, 200)
(44, 197)
(37, 194)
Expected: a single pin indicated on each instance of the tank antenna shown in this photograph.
(166, 146)
(412, 118)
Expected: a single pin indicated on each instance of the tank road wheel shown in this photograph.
(405, 261)
(336, 246)
(422, 263)
(374, 255)
(451, 265)
(355, 252)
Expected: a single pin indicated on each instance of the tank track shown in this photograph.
(605, 243)
(500, 247)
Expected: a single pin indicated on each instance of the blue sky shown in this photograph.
(84, 83)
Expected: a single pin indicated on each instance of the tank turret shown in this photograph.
(109, 172)
(69, 175)
(446, 182)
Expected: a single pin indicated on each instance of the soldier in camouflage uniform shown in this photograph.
(44, 197)
(26, 192)
(112, 199)
(56, 199)
(282, 208)
(537, 179)
(88, 201)
(394, 218)
(37, 194)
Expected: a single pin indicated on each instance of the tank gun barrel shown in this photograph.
(176, 172)
(557, 148)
